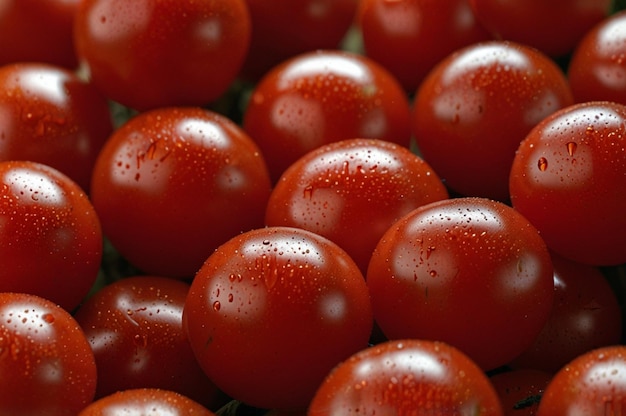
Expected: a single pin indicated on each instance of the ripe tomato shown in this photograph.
(46, 364)
(406, 377)
(272, 311)
(321, 97)
(146, 53)
(568, 179)
(134, 327)
(597, 70)
(555, 27)
(471, 272)
(409, 37)
(50, 236)
(172, 184)
(145, 402)
(38, 31)
(520, 391)
(336, 189)
(49, 115)
(477, 105)
(592, 384)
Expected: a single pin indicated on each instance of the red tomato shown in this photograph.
(154, 53)
(134, 326)
(586, 315)
(336, 189)
(597, 70)
(520, 391)
(323, 97)
(554, 27)
(406, 377)
(172, 184)
(49, 115)
(145, 402)
(272, 311)
(568, 178)
(409, 37)
(50, 236)
(592, 384)
(46, 364)
(471, 272)
(477, 105)
(38, 31)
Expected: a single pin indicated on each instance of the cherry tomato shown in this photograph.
(592, 384)
(146, 53)
(409, 37)
(134, 326)
(477, 105)
(597, 70)
(336, 189)
(520, 391)
(406, 377)
(568, 178)
(471, 272)
(145, 402)
(272, 311)
(49, 115)
(321, 97)
(46, 364)
(50, 235)
(555, 27)
(174, 183)
(38, 31)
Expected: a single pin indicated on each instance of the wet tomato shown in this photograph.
(272, 311)
(46, 364)
(406, 377)
(477, 105)
(172, 184)
(471, 272)
(50, 235)
(336, 189)
(568, 178)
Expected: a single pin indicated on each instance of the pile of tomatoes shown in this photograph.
(322, 207)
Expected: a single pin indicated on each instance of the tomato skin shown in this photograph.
(266, 305)
(568, 177)
(50, 116)
(591, 384)
(50, 235)
(335, 189)
(321, 97)
(453, 269)
(406, 377)
(46, 363)
(174, 183)
(554, 27)
(520, 390)
(146, 54)
(409, 37)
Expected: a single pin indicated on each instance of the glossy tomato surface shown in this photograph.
(338, 188)
(134, 327)
(520, 391)
(46, 364)
(591, 384)
(477, 105)
(406, 377)
(321, 97)
(38, 31)
(568, 178)
(174, 183)
(50, 235)
(49, 115)
(555, 27)
(409, 37)
(471, 272)
(146, 54)
(145, 402)
(272, 311)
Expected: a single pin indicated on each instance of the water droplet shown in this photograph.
(542, 164)
(571, 148)
(308, 192)
(433, 273)
(266, 242)
(217, 305)
(230, 297)
(48, 318)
